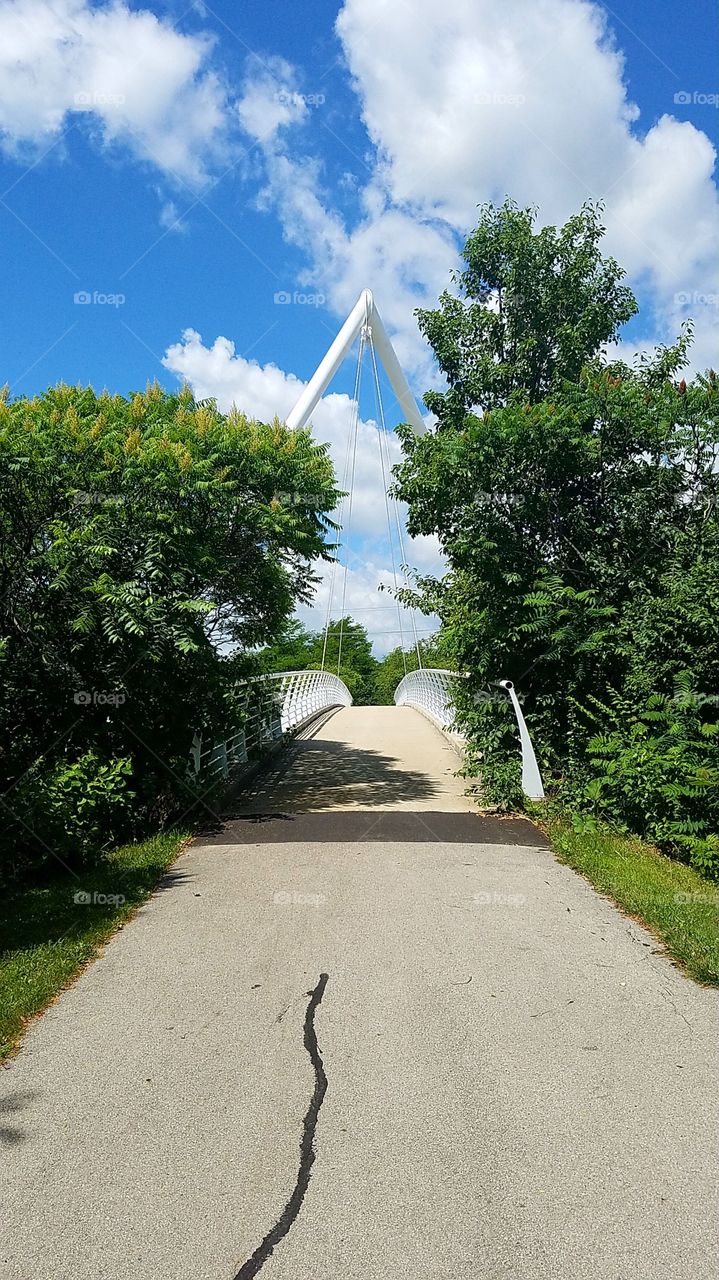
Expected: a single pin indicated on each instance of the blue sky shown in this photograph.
(193, 163)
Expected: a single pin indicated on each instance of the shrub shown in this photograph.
(147, 545)
(70, 811)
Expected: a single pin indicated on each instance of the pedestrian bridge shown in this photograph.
(378, 758)
(303, 747)
(345, 757)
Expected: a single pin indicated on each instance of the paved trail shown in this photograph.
(498, 1078)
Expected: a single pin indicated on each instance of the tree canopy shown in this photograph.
(575, 498)
(531, 308)
(142, 540)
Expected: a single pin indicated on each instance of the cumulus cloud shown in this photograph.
(171, 219)
(474, 100)
(486, 99)
(265, 391)
(261, 391)
(404, 258)
(129, 75)
(270, 100)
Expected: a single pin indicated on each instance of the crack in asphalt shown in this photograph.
(281, 1227)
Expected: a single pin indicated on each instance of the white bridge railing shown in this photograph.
(271, 708)
(430, 691)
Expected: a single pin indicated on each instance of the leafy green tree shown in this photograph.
(390, 671)
(143, 541)
(532, 308)
(349, 647)
(294, 649)
(398, 662)
(576, 502)
(348, 653)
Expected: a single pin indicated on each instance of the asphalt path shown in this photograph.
(362, 1033)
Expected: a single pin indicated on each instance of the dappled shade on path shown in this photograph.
(362, 758)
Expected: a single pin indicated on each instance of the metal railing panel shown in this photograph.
(272, 708)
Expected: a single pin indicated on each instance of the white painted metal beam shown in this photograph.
(531, 777)
(363, 314)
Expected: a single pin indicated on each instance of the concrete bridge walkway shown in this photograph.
(377, 758)
(362, 1033)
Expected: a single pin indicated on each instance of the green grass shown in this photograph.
(680, 906)
(47, 936)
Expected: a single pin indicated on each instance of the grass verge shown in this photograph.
(49, 933)
(676, 903)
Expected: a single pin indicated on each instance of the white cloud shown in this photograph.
(263, 391)
(270, 101)
(487, 98)
(477, 99)
(171, 219)
(404, 259)
(130, 75)
(473, 100)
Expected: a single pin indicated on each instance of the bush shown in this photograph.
(147, 545)
(657, 773)
(70, 811)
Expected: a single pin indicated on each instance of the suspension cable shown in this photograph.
(360, 355)
(380, 433)
(340, 511)
(400, 537)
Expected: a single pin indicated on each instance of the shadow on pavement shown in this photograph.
(10, 1134)
(320, 774)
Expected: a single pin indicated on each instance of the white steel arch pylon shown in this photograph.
(364, 315)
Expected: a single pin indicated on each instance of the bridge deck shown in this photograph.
(518, 1086)
(388, 758)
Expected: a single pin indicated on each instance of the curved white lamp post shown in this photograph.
(531, 777)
